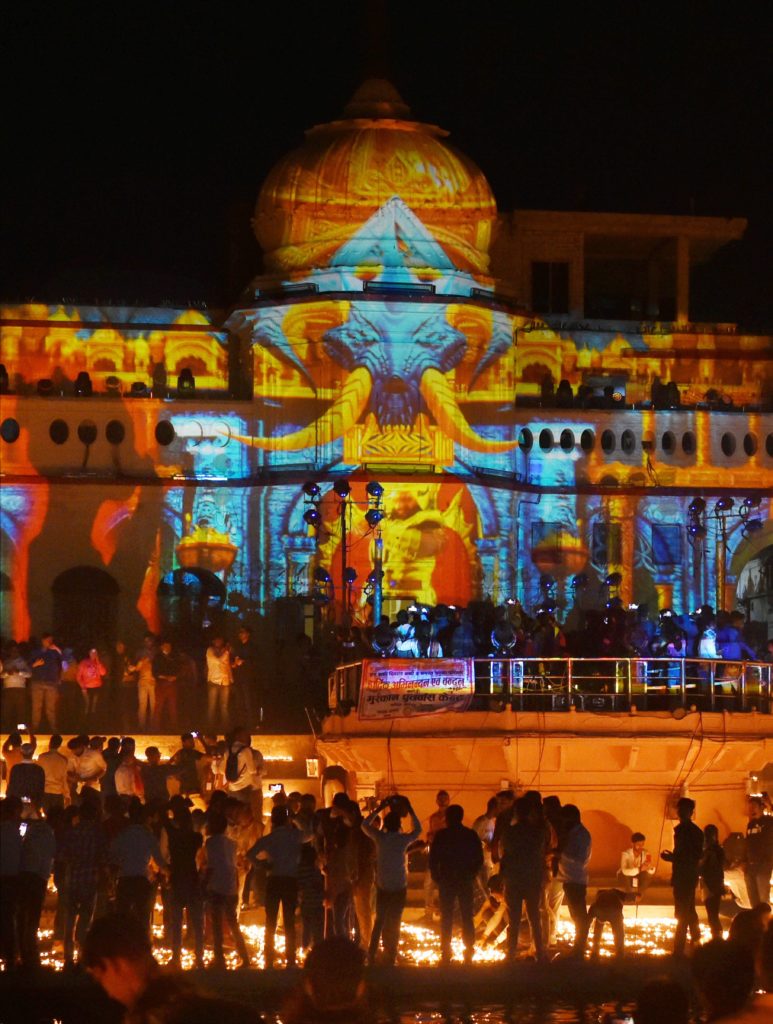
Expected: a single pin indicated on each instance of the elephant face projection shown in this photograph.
(397, 355)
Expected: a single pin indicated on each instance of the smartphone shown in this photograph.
(23, 829)
(195, 735)
(21, 727)
(275, 787)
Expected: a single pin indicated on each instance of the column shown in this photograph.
(682, 280)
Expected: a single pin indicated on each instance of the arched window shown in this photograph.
(85, 607)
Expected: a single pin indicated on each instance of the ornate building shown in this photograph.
(528, 388)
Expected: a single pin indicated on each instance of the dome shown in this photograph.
(318, 197)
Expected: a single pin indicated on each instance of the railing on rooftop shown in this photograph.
(598, 684)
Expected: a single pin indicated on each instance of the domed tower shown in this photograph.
(375, 188)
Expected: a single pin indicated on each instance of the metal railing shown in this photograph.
(599, 684)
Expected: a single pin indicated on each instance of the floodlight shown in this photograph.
(374, 489)
(45, 387)
(696, 530)
(139, 389)
(613, 580)
(112, 385)
(751, 502)
(374, 516)
(312, 517)
(311, 489)
(83, 388)
(580, 580)
(342, 488)
(350, 575)
(723, 505)
(696, 506)
(321, 575)
(186, 382)
(753, 525)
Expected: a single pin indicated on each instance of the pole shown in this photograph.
(721, 563)
(344, 584)
(378, 593)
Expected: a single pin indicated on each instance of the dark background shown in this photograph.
(136, 138)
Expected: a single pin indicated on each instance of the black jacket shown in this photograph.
(456, 855)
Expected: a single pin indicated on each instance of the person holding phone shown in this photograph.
(636, 867)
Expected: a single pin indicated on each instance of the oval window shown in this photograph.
(750, 444)
(546, 440)
(728, 444)
(688, 443)
(10, 430)
(526, 439)
(165, 433)
(587, 440)
(628, 442)
(58, 431)
(668, 442)
(115, 432)
(608, 442)
(87, 432)
(567, 440)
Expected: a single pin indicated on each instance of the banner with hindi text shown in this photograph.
(402, 688)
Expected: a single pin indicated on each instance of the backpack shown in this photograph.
(232, 766)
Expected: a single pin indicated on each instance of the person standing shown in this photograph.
(248, 703)
(184, 885)
(165, 672)
(455, 861)
(636, 867)
(10, 863)
(685, 861)
(82, 850)
(573, 871)
(187, 760)
(123, 687)
(391, 873)
(282, 849)
(146, 691)
(45, 683)
(483, 826)
(219, 683)
(218, 861)
(243, 770)
(15, 672)
(134, 851)
(759, 852)
(27, 780)
(437, 820)
(522, 847)
(37, 859)
(712, 876)
(54, 765)
(90, 676)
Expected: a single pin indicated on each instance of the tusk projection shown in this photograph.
(331, 425)
(442, 403)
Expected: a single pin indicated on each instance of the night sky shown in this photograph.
(136, 137)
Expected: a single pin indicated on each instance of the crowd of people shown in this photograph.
(107, 828)
(165, 686)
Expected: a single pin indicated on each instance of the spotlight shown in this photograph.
(342, 488)
(374, 489)
(186, 382)
(613, 580)
(374, 516)
(751, 502)
(139, 389)
(723, 505)
(311, 489)
(112, 385)
(580, 580)
(696, 506)
(312, 517)
(83, 388)
(45, 387)
(350, 575)
(546, 582)
(696, 529)
(321, 575)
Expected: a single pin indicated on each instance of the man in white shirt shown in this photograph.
(54, 765)
(219, 682)
(636, 867)
(245, 768)
(91, 764)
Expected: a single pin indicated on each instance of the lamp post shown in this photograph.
(698, 518)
